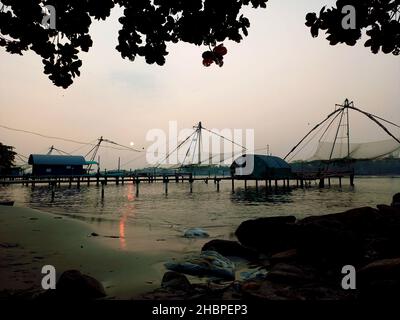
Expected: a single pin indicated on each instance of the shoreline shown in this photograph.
(30, 239)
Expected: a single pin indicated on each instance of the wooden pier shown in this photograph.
(298, 180)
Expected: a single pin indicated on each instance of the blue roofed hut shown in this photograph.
(57, 165)
(260, 167)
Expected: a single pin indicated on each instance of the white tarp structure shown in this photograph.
(341, 147)
(368, 150)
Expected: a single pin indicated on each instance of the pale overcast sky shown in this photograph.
(279, 81)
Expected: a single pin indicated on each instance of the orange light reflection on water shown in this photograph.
(122, 241)
(124, 217)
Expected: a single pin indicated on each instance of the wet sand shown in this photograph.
(30, 239)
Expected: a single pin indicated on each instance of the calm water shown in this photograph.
(155, 217)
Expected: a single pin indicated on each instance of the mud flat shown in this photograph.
(30, 239)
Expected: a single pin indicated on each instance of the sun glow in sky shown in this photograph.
(279, 81)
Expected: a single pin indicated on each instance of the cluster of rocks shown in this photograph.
(304, 258)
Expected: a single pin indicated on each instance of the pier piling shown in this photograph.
(53, 191)
(137, 187)
(191, 184)
(352, 180)
(166, 181)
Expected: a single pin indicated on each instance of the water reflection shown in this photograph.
(121, 211)
(122, 241)
(257, 196)
(128, 210)
(130, 193)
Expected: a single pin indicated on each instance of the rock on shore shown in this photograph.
(305, 257)
(74, 285)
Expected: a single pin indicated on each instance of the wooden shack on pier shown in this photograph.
(260, 167)
(57, 165)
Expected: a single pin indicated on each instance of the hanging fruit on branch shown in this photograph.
(216, 55)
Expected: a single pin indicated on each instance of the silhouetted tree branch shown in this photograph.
(147, 27)
(379, 18)
(7, 157)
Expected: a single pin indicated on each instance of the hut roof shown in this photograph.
(273, 162)
(257, 166)
(44, 159)
(269, 161)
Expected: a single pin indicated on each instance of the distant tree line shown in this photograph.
(7, 158)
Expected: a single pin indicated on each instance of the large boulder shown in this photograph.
(75, 285)
(381, 269)
(396, 200)
(388, 211)
(361, 221)
(383, 241)
(268, 235)
(350, 237)
(230, 249)
(327, 240)
(339, 238)
(388, 224)
(381, 247)
(380, 279)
